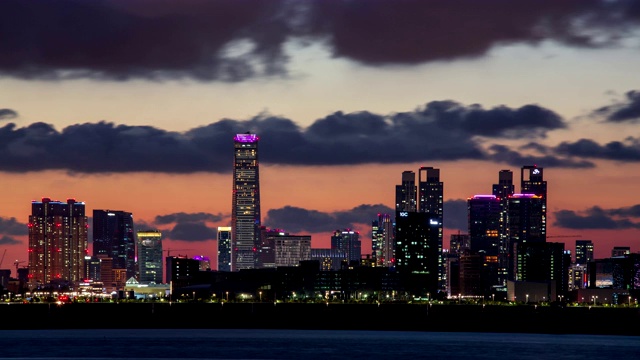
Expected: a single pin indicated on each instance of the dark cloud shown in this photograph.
(298, 220)
(630, 211)
(191, 231)
(441, 130)
(627, 150)
(186, 217)
(456, 215)
(593, 218)
(234, 40)
(627, 111)
(503, 154)
(7, 114)
(8, 240)
(11, 226)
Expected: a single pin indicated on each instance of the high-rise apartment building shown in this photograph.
(382, 243)
(526, 224)
(224, 248)
(406, 192)
(484, 235)
(347, 241)
(57, 241)
(584, 252)
(503, 190)
(113, 237)
(150, 261)
(245, 212)
(431, 201)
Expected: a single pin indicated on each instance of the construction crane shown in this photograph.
(168, 251)
(17, 263)
(3, 254)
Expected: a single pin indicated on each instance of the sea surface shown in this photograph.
(307, 345)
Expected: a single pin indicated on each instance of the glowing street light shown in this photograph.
(260, 292)
(227, 295)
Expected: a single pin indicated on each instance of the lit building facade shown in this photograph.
(291, 249)
(57, 241)
(417, 249)
(503, 190)
(584, 252)
(224, 248)
(245, 212)
(485, 212)
(382, 243)
(347, 241)
(113, 237)
(431, 201)
(150, 261)
(406, 192)
(526, 224)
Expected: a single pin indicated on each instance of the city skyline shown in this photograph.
(135, 107)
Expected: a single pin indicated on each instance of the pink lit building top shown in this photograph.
(246, 138)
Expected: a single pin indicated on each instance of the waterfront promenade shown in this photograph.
(321, 316)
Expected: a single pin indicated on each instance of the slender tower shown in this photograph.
(503, 190)
(430, 200)
(245, 212)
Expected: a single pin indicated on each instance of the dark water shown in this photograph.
(307, 345)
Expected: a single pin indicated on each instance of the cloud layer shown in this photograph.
(439, 130)
(235, 40)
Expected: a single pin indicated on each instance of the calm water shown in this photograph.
(307, 345)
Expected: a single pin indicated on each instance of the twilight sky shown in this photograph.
(132, 105)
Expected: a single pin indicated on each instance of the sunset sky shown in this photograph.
(133, 104)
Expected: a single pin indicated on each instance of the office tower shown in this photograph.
(458, 242)
(526, 224)
(503, 190)
(291, 249)
(245, 212)
(484, 224)
(150, 261)
(471, 274)
(620, 251)
(406, 192)
(484, 235)
(430, 200)
(347, 241)
(532, 183)
(57, 241)
(382, 244)
(113, 237)
(544, 262)
(584, 251)
(417, 250)
(91, 268)
(224, 248)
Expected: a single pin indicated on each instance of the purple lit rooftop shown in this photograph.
(485, 197)
(246, 138)
(526, 196)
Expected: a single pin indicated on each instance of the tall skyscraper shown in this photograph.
(484, 233)
(431, 201)
(406, 192)
(347, 241)
(417, 254)
(57, 241)
(113, 237)
(224, 248)
(382, 243)
(584, 252)
(532, 182)
(503, 190)
(150, 261)
(526, 224)
(245, 212)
